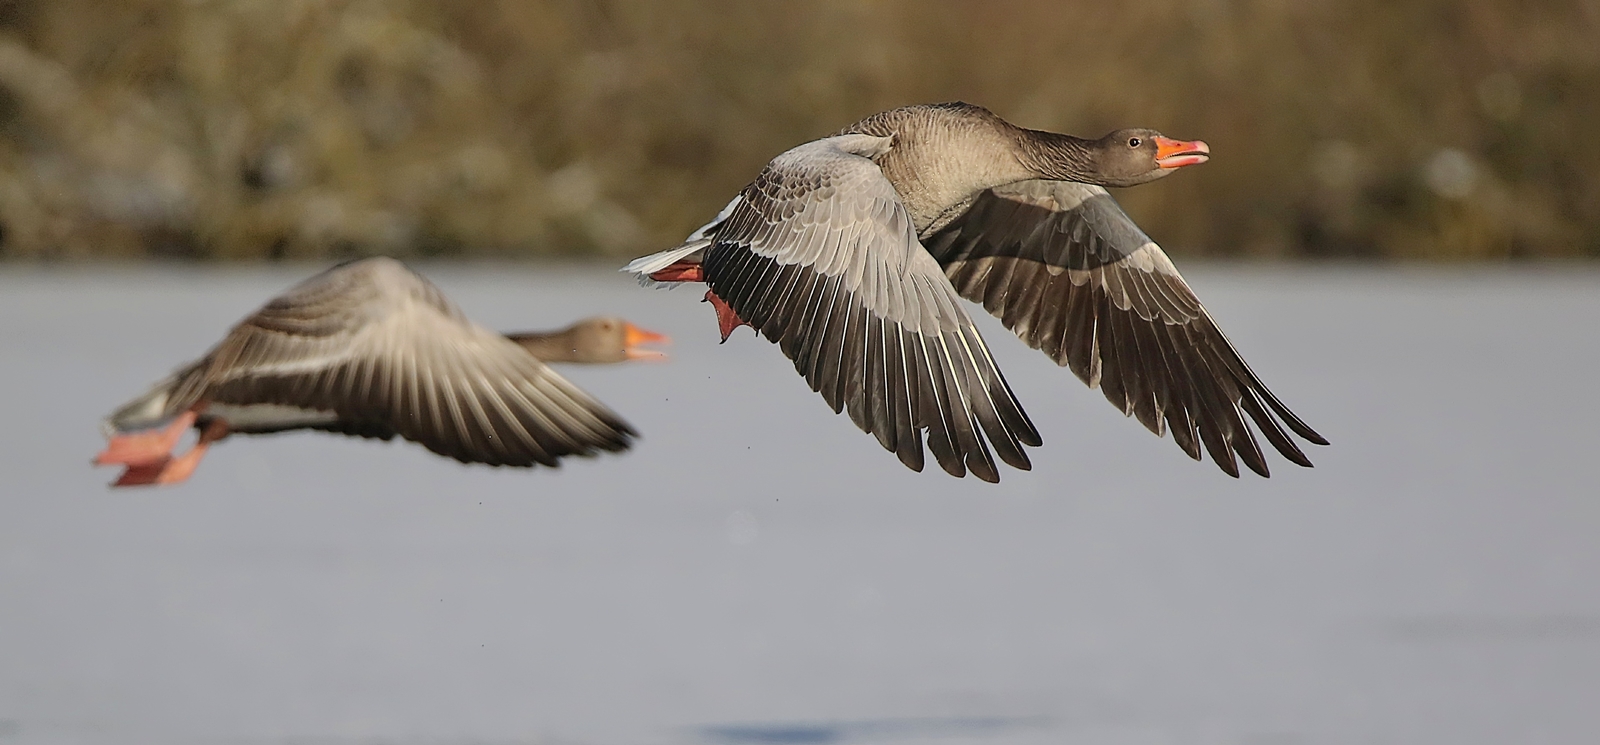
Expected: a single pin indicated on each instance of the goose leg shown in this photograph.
(173, 470)
(151, 446)
(692, 271)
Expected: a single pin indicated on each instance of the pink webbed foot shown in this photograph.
(169, 469)
(147, 447)
(144, 474)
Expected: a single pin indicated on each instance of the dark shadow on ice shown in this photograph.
(818, 733)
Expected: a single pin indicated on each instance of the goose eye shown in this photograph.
(1134, 142)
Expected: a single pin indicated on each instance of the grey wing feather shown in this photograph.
(820, 256)
(382, 347)
(1064, 267)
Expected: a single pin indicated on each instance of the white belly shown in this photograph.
(269, 417)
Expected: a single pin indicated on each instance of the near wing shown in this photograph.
(377, 343)
(821, 257)
(1066, 269)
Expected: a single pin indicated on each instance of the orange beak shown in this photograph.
(633, 336)
(1172, 153)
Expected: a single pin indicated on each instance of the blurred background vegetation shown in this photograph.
(249, 129)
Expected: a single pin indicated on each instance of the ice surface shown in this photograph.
(759, 571)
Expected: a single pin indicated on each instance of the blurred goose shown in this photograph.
(373, 349)
(853, 252)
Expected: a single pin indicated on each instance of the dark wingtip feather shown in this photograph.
(910, 455)
(1248, 449)
(1259, 465)
(952, 465)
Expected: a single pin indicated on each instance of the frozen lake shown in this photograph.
(758, 571)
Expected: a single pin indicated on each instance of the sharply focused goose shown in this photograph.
(853, 252)
(371, 348)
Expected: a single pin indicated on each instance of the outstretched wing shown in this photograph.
(1066, 269)
(375, 342)
(821, 257)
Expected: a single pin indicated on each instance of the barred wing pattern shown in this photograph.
(819, 255)
(1066, 269)
(383, 348)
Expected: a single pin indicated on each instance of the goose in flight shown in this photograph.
(853, 252)
(372, 349)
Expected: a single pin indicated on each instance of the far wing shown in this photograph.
(1066, 269)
